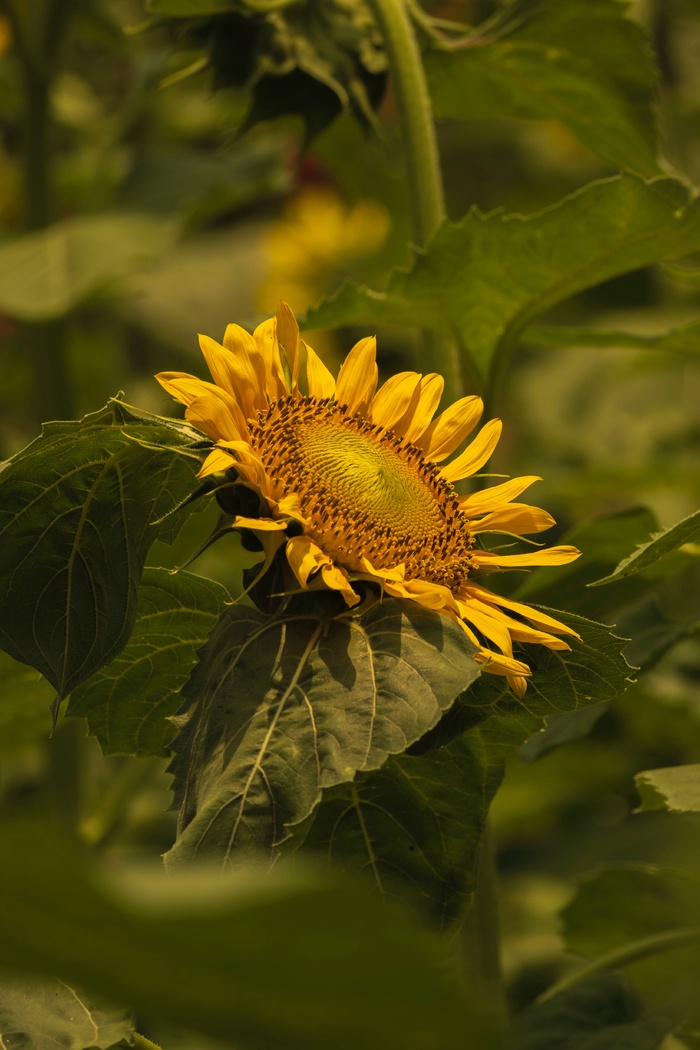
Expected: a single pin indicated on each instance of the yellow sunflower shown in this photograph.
(349, 481)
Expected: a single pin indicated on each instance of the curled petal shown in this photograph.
(475, 454)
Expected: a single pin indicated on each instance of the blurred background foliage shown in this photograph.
(140, 213)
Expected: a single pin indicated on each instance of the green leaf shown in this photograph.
(676, 788)
(24, 706)
(601, 1013)
(685, 531)
(562, 729)
(190, 8)
(128, 704)
(616, 905)
(281, 709)
(44, 1015)
(662, 616)
(290, 961)
(484, 279)
(77, 508)
(415, 825)
(683, 340)
(47, 273)
(582, 63)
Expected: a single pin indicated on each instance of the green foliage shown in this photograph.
(280, 708)
(290, 960)
(484, 279)
(76, 522)
(601, 1013)
(583, 63)
(41, 1015)
(128, 704)
(676, 788)
(683, 340)
(661, 544)
(47, 273)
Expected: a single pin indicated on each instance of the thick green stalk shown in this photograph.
(426, 197)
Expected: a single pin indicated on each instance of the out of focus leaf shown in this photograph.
(77, 513)
(682, 340)
(128, 703)
(415, 825)
(662, 543)
(25, 698)
(582, 63)
(284, 960)
(676, 789)
(601, 1013)
(280, 709)
(47, 273)
(560, 730)
(484, 279)
(616, 905)
(45, 1015)
(661, 617)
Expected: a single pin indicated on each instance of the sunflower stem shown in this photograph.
(480, 936)
(426, 196)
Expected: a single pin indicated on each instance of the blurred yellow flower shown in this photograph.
(349, 481)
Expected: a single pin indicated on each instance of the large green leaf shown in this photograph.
(24, 706)
(46, 1015)
(601, 1013)
(685, 531)
(286, 961)
(415, 825)
(676, 788)
(77, 508)
(663, 616)
(616, 905)
(281, 709)
(484, 279)
(683, 340)
(46, 273)
(128, 703)
(581, 62)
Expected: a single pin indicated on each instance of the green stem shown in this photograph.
(480, 937)
(426, 196)
(629, 953)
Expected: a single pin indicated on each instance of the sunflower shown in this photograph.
(351, 479)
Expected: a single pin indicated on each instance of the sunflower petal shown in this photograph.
(548, 556)
(288, 340)
(216, 461)
(450, 428)
(431, 388)
(518, 518)
(265, 336)
(392, 400)
(247, 369)
(319, 380)
(475, 454)
(493, 498)
(357, 378)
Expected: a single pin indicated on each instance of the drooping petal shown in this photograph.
(431, 388)
(357, 378)
(493, 498)
(258, 524)
(450, 428)
(319, 380)
(475, 454)
(535, 616)
(393, 398)
(216, 461)
(184, 387)
(218, 415)
(305, 557)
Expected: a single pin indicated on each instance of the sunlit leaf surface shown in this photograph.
(127, 703)
(484, 279)
(280, 709)
(46, 1015)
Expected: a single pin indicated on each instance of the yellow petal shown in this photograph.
(218, 415)
(288, 340)
(357, 378)
(219, 364)
(258, 524)
(493, 498)
(549, 556)
(319, 380)
(431, 388)
(497, 663)
(216, 461)
(475, 454)
(392, 399)
(183, 387)
(304, 557)
(535, 616)
(450, 428)
(336, 579)
(265, 336)
(518, 518)
(247, 369)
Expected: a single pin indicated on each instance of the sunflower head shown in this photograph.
(356, 483)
